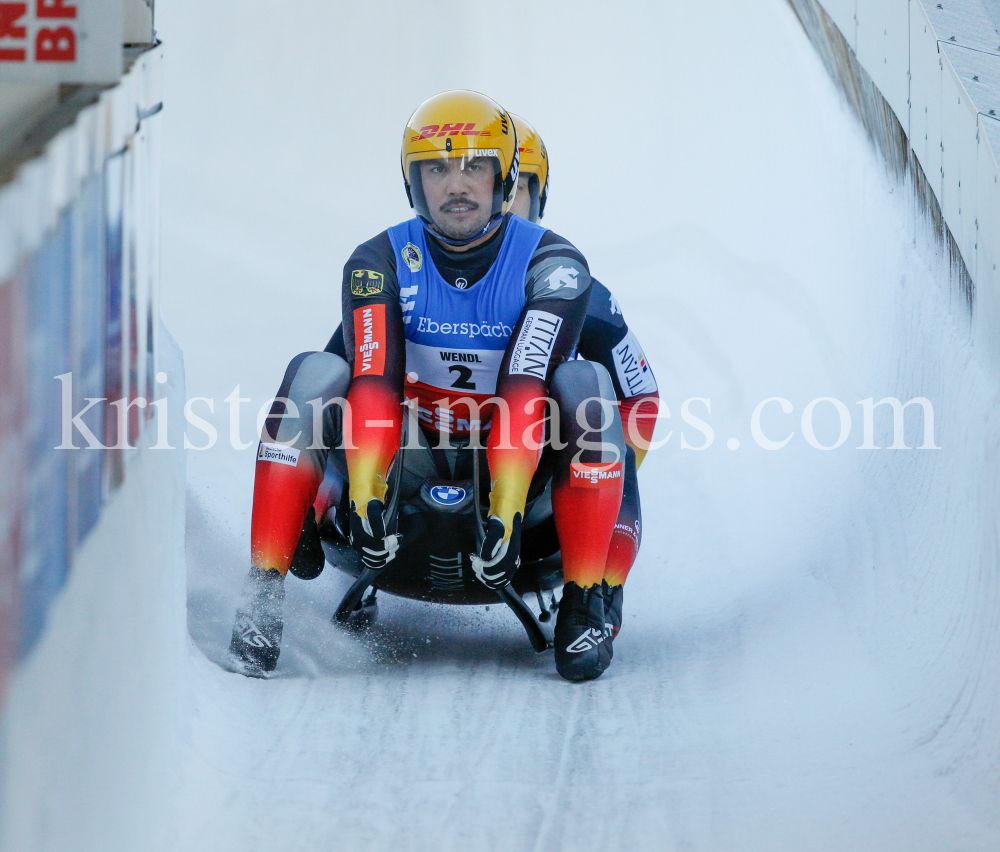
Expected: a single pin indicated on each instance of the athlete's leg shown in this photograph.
(292, 460)
(627, 535)
(589, 476)
(586, 499)
(625, 541)
(302, 426)
(541, 540)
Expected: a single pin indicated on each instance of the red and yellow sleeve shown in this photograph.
(545, 335)
(513, 454)
(374, 400)
(638, 415)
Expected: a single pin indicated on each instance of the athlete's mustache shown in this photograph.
(450, 205)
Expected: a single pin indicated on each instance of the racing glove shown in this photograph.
(498, 559)
(368, 536)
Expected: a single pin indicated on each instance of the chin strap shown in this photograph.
(431, 229)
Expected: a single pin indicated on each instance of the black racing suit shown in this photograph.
(605, 339)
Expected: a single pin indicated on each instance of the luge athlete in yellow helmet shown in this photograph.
(470, 316)
(606, 339)
(533, 176)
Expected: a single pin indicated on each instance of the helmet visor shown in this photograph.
(528, 201)
(459, 193)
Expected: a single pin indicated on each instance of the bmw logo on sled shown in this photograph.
(447, 495)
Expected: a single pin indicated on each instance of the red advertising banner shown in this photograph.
(61, 41)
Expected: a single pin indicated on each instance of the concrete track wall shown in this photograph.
(934, 111)
(94, 719)
(92, 628)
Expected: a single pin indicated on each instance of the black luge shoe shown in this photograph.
(581, 652)
(256, 642)
(613, 596)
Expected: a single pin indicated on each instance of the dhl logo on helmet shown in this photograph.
(433, 130)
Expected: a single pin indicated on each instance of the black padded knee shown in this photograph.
(585, 395)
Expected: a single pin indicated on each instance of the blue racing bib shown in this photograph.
(456, 338)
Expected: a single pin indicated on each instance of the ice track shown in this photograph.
(810, 647)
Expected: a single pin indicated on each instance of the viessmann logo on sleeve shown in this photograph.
(369, 341)
(586, 475)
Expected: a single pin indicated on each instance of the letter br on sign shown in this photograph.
(61, 41)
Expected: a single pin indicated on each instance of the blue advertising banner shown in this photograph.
(46, 507)
(89, 305)
(78, 271)
(11, 455)
(114, 329)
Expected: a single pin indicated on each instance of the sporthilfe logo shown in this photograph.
(278, 453)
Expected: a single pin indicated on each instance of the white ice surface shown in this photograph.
(810, 651)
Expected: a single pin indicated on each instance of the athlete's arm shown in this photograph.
(606, 339)
(557, 290)
(335, 345)
(376, 351)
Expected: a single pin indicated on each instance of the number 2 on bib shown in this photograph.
(464, 374)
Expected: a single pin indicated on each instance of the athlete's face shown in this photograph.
(459, 194)
(522, 201)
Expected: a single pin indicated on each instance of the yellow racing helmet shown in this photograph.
(461, 124)
(534, 162)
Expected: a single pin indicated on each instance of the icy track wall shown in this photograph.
(91, 578)
(924, 78)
